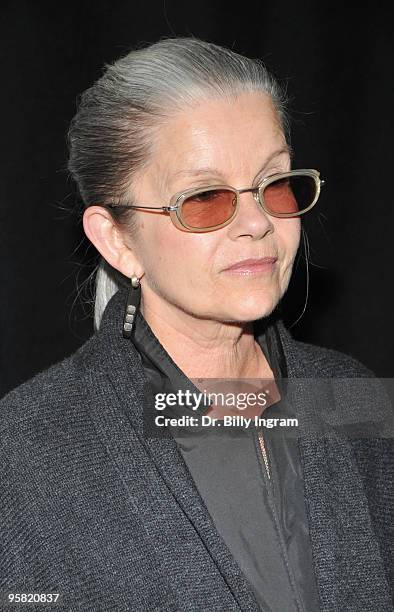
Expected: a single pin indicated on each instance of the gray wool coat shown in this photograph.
(110, 519)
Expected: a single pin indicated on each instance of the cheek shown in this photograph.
(288, 233)
(168, 253)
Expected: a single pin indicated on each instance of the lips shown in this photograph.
(252, 264)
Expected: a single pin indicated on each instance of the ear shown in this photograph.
(108, 239)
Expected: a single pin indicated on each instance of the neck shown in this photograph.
(206, 348)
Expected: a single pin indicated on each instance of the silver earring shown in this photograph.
(132, 305)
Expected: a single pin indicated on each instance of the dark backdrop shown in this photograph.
(337, 64)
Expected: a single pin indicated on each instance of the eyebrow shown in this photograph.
(207, 170)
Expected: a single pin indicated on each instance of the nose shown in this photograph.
(251, 220)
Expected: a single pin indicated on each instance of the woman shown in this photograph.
(181, 154)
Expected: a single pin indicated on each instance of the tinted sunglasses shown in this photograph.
(203, 209)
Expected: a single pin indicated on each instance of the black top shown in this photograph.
(262, 520)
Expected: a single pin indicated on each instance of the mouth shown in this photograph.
(252, 266)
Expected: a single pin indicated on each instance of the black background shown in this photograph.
(337, 63)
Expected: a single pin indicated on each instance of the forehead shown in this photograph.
(228, 135)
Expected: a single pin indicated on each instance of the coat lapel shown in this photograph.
(348, 564)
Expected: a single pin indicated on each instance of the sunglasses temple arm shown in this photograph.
(166, 208)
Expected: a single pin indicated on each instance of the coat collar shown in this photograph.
(345, 551)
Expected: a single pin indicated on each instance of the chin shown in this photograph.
(252, 311)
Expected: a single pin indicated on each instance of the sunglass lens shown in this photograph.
(209, 208)
(290, 194)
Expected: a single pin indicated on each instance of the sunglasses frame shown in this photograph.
(177, 200)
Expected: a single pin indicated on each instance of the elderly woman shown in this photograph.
(181, 154)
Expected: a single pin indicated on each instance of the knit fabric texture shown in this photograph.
(93, 509)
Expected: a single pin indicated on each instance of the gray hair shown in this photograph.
(110, 137)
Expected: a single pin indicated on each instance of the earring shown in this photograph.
(132, 304)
